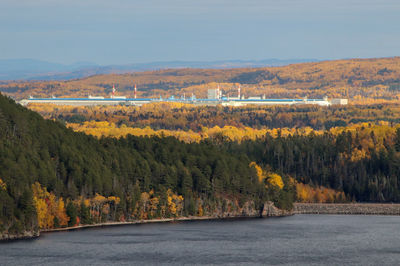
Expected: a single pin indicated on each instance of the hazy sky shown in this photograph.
(131, 31)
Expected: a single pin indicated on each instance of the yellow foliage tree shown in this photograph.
(41, 200)
(114, 199)
(3, 185)
(175, 203)
(48, 207)
(260, 173)
(61, 214)
(306, 193)
(200, 208)
(274, 179)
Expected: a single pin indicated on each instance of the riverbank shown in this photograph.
(31, 235)
(247, 211)
(163, 220)
(269, 210)
(347, 208)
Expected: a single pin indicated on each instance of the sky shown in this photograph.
(137, 31)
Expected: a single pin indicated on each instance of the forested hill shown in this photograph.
(51, 176)
(360, 79)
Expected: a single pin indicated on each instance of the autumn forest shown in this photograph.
(64, 166)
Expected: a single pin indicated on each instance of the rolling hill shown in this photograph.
(361, 79)
(31, 69)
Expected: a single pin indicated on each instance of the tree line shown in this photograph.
(176, 116)
(363, 163)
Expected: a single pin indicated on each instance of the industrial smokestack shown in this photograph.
(135, 91)
(113, 91)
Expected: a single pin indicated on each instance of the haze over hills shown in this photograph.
(31, 69)
(14, 69)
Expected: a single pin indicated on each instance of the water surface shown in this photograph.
(295, 240)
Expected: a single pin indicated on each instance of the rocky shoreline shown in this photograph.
(347, 208)
(21, 236)
(247, 211)
(269, 210)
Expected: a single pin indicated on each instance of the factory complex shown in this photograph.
(214, 97)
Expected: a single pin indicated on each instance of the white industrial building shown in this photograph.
(214, 97)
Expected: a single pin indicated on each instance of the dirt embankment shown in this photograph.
(347, 208)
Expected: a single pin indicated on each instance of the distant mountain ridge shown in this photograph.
(14, 69)
(31, 69)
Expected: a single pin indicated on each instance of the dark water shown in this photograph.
(296, 240)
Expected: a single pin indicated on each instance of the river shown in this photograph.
(294, 240)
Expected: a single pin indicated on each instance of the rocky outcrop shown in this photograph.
(347, 208)
(270, 210)
(249, 209)
(23, 235)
